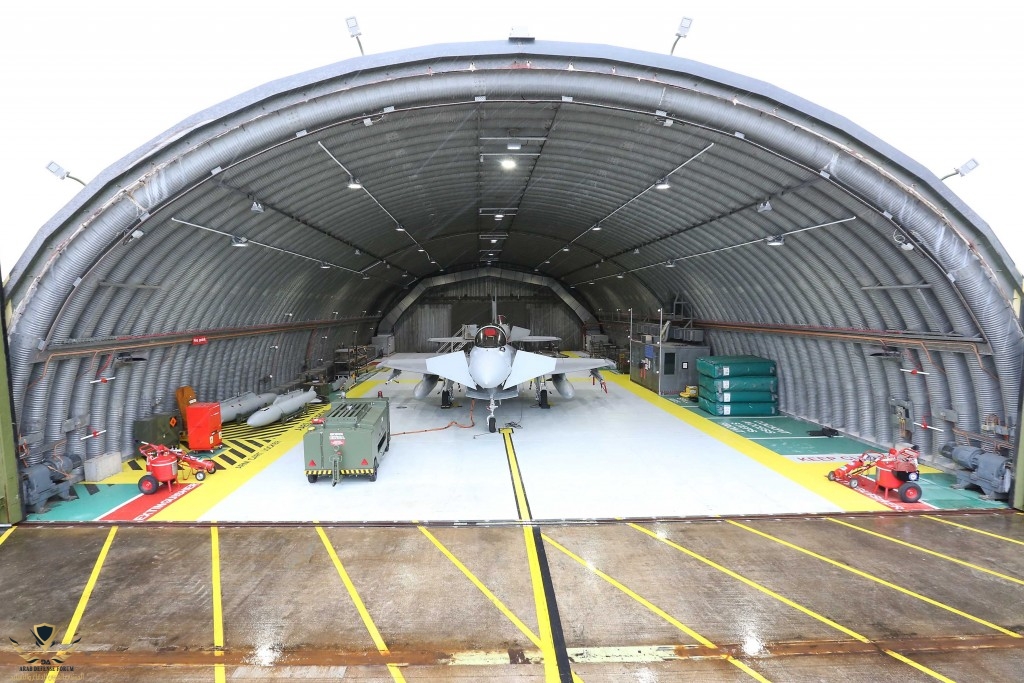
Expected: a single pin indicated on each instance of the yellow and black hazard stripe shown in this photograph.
(346, 472)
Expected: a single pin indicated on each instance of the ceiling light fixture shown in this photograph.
(764, 206)
(514, 145)
(684, 28)
(399, 228)
(239, 241)
(61, 172)
(498, 216)
(256, 207)
(963, 170)
(353, 30)
(670, 264)
(663, 184)
(323, 264)
(597, 227)
(565, 248)
(508, 164)
(901, 239)
(775, 240)
(354, 184)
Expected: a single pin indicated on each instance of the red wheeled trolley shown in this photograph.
(163, 465)
(895, 471)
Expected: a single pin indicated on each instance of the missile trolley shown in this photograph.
(349, 440)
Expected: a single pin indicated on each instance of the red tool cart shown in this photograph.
(895, 471)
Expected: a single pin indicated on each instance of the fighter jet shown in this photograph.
(493, 368)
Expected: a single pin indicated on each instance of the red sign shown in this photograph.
(199, 341)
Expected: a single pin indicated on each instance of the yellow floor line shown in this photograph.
(883, 582)
(76, 618)
(516, 621)
(977, 531)
(218, 615)
(533, 559)
(7, 534)
(918, 548)
(219, 485)
(809, 476)
(657, 610)
(786, 601)
(378, 641)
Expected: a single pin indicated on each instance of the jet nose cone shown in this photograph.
(489, 369)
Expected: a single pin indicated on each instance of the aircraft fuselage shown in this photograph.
(490, 367)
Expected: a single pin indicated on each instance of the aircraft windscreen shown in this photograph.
(490, 337)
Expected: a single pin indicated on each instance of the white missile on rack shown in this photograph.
(283, 407)
(244, 405)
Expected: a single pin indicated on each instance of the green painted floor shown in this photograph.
(789, 437)
(94, 501)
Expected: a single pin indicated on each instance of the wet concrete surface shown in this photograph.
(632, 607)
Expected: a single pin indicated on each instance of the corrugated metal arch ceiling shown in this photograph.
(145, 252)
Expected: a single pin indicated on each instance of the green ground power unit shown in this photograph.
(348, 440)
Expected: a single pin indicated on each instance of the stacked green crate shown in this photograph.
(744, 386)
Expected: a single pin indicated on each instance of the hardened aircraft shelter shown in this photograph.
(621, 200)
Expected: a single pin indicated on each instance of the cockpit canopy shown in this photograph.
(490, 337)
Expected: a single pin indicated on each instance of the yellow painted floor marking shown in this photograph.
(378, 641)
(547, 644)
(658, 611)
(883, 582)
(977, 531)
(363, 388)
(517, 478)
(543, 616)
(491, 596)
(811, 478)
(218, 614)
(6, 535)
(483, 589)
(948, 558)
(76, 618)
(786, 601)
(222, 483)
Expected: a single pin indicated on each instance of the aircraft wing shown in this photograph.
(526, 365)
(564, 365)
(413, 362)
(451, 366)
(537, 338)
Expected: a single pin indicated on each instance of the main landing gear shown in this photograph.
(542, 394)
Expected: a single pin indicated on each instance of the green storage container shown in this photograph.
(739, 396)
(738, 409)
(735, 366)
(753, 383)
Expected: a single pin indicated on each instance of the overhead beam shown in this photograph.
(969, 345)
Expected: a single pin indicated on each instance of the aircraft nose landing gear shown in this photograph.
(492, 423)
